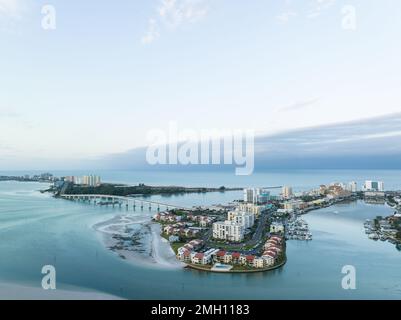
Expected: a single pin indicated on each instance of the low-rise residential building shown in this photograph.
(242, 260)
(228, 258)
(197, 258)
(166, 217)
(203, 221)
(220, 255)
(183, 254)
(250, 259)
(268, 260)
(258, 263)
(204, 257)
(235, 256)
(180, 229)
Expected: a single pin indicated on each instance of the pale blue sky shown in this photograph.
(112, 70)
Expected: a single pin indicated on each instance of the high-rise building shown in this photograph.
(262, 196)
(374, 186)
(91, 181)
(248, 195)
(228, 230)
(287, 192)
(245, 219)
(256, 195)
(353, 186)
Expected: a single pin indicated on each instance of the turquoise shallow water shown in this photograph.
(36, 230)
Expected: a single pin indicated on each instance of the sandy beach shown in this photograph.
(136, 239)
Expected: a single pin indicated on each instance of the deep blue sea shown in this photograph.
(36, 230)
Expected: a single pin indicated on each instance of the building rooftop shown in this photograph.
(236, 255)
(221, 253)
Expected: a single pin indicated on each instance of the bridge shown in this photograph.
(273, 187)
(128, 202)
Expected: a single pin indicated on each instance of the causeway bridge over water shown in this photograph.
(128, 202)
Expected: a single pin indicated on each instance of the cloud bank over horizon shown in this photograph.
(373, 143)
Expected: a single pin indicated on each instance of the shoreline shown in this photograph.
(162, 251)
(147, 247)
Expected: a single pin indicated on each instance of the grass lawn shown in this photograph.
(176, 245)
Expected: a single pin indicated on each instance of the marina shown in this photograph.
(298, 229)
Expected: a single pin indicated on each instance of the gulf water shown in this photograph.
(38, 230)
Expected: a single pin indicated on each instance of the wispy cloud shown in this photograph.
(313, 10)
(286, 16)
(11, 8)
(299, 105)
(172, 14)
(153, 32)
(318, 6)
(12, 14)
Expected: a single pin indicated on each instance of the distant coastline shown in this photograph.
(139, 190)
(24, 179)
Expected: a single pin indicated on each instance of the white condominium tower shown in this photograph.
(287, 192)
(92, 181)
(245, 219)
(353, 186)
(256, 195)
(374, 186)
(248, 195)
(228, 230)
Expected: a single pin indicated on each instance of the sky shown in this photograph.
(112, 71)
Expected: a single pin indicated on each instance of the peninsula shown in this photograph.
(139, 190)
